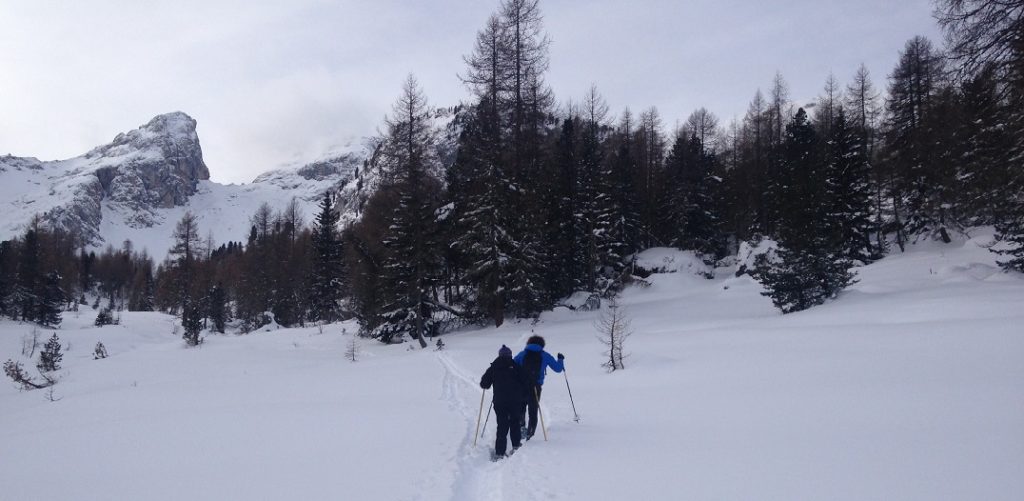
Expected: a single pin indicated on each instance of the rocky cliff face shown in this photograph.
(141, 183)
(158, 165)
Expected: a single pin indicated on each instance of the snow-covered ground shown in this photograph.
(910, 387)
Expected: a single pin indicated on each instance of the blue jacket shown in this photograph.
(546, 360)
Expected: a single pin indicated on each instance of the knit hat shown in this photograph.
(505, 351)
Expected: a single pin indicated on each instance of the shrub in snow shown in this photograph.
(50, 357)
(613, 329)
(352, 350)
(16, 372)
(99, 352)
(104, 317)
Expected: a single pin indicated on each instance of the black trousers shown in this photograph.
(509, 424)
(532, 404)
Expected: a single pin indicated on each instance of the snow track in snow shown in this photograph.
(477, 478)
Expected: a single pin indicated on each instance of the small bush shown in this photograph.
(50, 357)
(104, 317)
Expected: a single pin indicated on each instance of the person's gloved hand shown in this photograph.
(561, 357)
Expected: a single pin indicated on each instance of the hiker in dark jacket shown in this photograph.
(535, 361)
(510, 389)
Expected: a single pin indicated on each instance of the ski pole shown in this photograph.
(478, 416)
(566, 374)
(542, 427)
(486, 419)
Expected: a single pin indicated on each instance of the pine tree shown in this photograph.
(184, 254)
(986, 184)
(7, 277)
(27, 288)
(50, 301)
(863, 112)
(617, 209)
(1011, 230)
(479, 218)
(217, 307)
(809, 267)
(413, 259)
(51, 356)
(326, 276)
(848, 191)
(594, 113)
(922, 172)
(192, 322)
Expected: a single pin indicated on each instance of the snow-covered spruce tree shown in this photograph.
(681, 168)
(184, 255)
(1010, 229)
(617, 210)
(51, 356)
(848, 191)
(27, 287)
(6, 277)
(217, 309)
(104, 317)
(412, 260)
(326, 275)
(505, 72)
(191, 322)
(862, 113)
(51, 301)
(479, 222)
(922, 177)
(810, 266)
(594, 115)
(613, 328)
(987, 183)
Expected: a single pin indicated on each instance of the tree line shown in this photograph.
(537, 201)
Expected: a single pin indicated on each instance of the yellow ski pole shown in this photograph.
(478, 416)
(542, 428)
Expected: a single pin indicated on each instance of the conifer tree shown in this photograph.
(217, 307)
(809, 267)
(862, 112)
(184, 254)
(413, 259)
(326, 276)
(50, 301)
(921, 173)
(6, 277)
(51, 356)
(29, 278)
(848, 191)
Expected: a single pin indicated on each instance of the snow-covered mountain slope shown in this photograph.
(908, 387)
(156, 166)
(138, 186)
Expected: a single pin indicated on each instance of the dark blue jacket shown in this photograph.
(546, 360)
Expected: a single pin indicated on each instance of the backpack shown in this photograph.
(532, 364)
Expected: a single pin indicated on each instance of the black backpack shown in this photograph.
(531, 364)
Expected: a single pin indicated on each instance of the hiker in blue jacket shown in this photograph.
(536, 361)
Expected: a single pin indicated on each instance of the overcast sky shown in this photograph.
(273, 82)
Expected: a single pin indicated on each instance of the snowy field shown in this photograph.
(910, 387)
